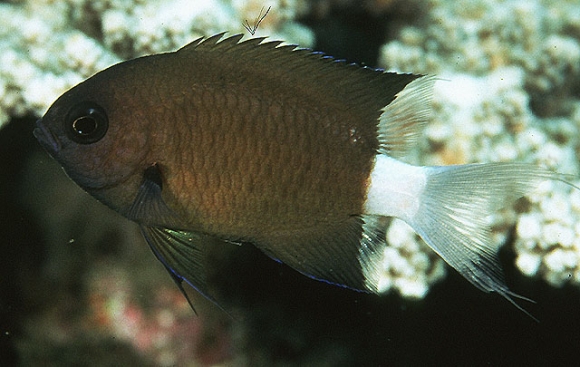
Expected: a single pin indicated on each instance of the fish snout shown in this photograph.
(46, 138)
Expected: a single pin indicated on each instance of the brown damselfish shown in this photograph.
(285, 148)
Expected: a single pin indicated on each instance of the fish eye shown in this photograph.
(87, 123)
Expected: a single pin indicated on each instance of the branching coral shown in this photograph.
(409, 266)
(548, 241)
(41, 58)
(540, 37)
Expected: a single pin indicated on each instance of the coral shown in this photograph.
(47, 47)
(548, 242)
(506, 94)
(540, 37)
(41, 58)
(166, 331)
(409, 266)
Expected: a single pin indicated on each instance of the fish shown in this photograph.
(231, 141)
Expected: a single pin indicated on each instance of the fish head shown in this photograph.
(97, 132)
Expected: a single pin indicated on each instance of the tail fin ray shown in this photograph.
(453, 212)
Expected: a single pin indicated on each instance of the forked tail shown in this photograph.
(449, 207)
(454, 208)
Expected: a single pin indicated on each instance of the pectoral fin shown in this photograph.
(183, 253)
(149, 208)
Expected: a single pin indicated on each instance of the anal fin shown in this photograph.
(343, 253)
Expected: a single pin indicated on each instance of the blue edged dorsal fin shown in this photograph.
(209, 41)
(362, 91)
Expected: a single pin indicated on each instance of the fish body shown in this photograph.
(229, 141)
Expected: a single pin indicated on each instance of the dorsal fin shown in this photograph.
(209, 41)
(363, 90)
(403, 120)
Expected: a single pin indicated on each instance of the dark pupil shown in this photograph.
(85, 125)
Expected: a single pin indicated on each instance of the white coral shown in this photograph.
(408, 266)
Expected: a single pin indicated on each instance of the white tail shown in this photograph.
(449, 207)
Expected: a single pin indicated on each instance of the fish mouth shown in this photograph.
(46, 138)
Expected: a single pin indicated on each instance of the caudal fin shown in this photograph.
(447, 206)
(453, 212)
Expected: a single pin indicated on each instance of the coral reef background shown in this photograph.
(80, 287)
